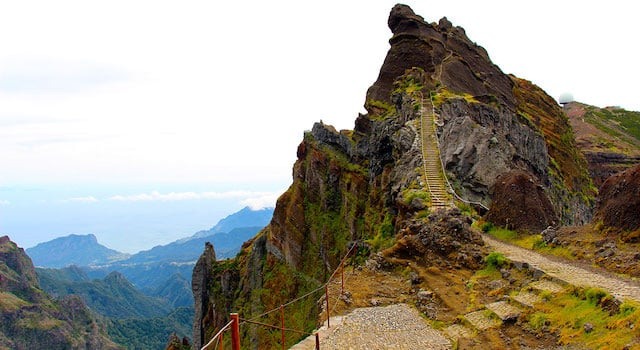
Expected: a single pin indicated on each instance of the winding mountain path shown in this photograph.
(620, 287)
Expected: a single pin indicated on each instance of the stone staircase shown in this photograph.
(493, 315)
(434, 174)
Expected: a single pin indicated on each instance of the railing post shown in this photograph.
(235, 331)
(326, 297)
(221, 347)
(282, 324)
(342, 278)
(317, 340)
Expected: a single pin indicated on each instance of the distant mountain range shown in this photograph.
(146, 295)
(81, 250)
(114, 296)
(243, 218)
(84, 250)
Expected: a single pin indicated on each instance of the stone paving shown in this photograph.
(567, 272)
(546, 285)
(456, 331)
(397, 326)
(504, 310)
(481, 320)
(527, 298)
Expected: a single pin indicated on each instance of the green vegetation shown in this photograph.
(615, 121)
(567, 313)
(134, 333)
(113, 296)
(384, 237)
(380, 109)
(443, 94)
(538, 321)
(407, 84)
(524, 240)
(9, 302)
(495, 260)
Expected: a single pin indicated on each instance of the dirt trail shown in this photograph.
(566, 271)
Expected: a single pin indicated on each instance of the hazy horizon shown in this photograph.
(128, 221)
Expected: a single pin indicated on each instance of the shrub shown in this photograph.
(627, 309)
(487, 227)
(538, 320)
(495, 260)
(595, 295)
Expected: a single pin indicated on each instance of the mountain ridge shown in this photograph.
(69, 247)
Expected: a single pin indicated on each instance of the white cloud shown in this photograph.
(261, 202)
(4, 202)
(181, 196)
(87, 199)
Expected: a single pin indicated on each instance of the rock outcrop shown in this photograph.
(32, 320)
(367, 185)
(520, 203)
(492, 123)
(619, 203)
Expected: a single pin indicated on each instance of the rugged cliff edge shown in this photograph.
(367, 185)
(32, 320)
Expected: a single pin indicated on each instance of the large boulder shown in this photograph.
(618, 204)
(520, 203)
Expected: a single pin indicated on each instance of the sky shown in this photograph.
(144, 121)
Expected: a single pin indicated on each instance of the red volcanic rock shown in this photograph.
(619, 202)
(520, 203)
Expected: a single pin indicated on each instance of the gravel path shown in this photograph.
(567, 272)
(397, 326)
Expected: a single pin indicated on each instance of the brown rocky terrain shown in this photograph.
(520, 202)
(367, 185)
(32, 320)
(619, 204)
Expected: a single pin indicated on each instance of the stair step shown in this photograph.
(432, 165)
(527, 298)
(546, 285)
(504, 311)
(457, 331)
(481, 320)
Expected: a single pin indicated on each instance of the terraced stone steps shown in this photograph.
(433, 172)
(493, 315)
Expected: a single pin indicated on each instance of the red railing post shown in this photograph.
(221, 347)
(235, 331)
(326, 297)
(342, 278)
(282, 324)
(317, 340)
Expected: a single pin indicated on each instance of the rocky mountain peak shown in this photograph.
(445, 53)
(403, 19)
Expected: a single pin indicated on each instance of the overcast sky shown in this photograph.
(213, 96)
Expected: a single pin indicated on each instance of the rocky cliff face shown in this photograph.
(32, 320)
(367, 184)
